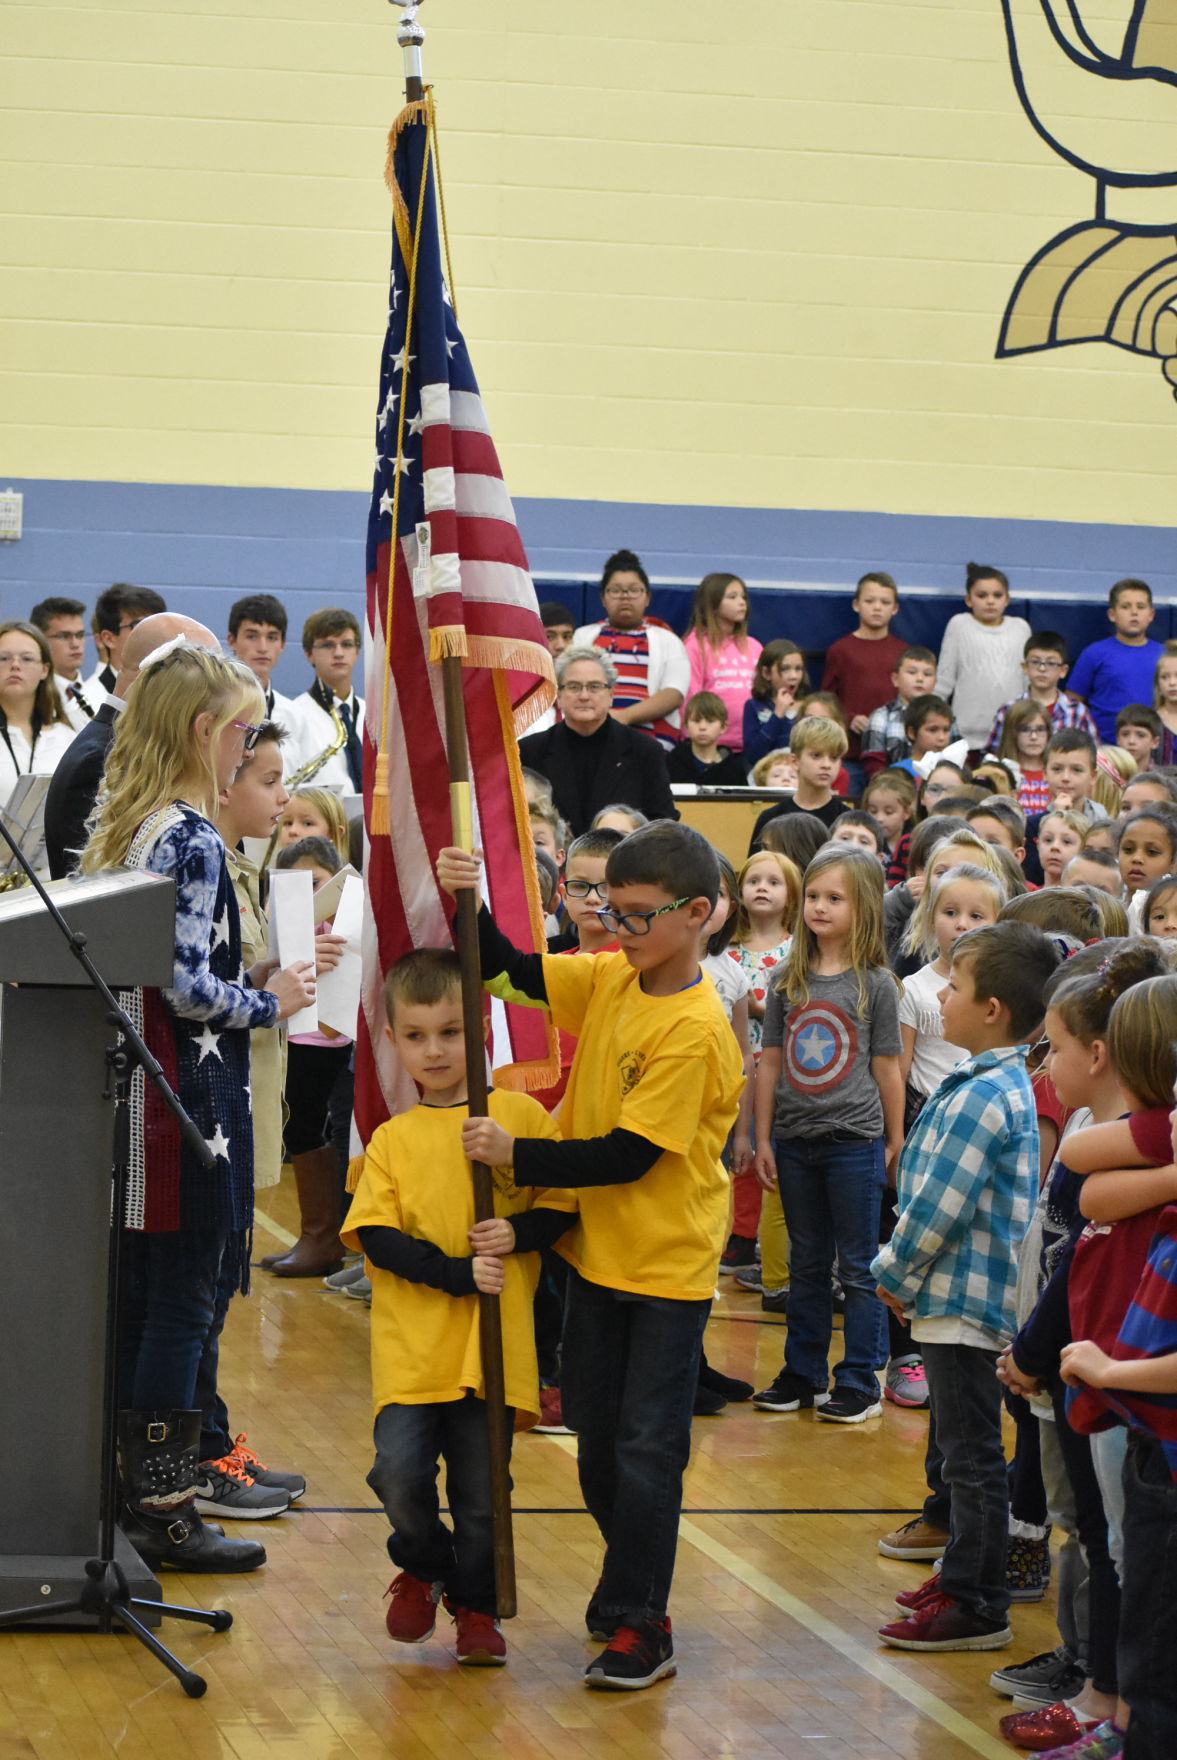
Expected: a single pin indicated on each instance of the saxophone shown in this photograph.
(337, 743)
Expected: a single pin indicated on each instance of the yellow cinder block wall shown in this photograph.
(754, 255)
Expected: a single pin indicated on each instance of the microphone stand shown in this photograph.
(106, 1595)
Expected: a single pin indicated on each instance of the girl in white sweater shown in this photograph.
(980, 664)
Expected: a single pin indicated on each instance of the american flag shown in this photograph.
(460, 584)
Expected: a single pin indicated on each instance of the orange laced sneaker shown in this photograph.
(226, 1488)
(293, 1484)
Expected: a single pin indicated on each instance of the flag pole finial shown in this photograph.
(410, 35)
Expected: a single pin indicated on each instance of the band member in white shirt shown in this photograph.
(328, 720)
(257, 635)
(116, 612)
(62, 622)
(34, 732)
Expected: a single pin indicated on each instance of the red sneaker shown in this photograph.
(551, 1414)
(940, 1623)
(480, 1641)
(913, 1598)
(412, 1609)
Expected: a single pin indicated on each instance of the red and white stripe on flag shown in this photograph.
(460, 586)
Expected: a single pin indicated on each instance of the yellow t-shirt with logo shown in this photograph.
(669, 1069)
(425, 1347)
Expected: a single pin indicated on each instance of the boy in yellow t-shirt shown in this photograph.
(413, 1216)
(654, 1089)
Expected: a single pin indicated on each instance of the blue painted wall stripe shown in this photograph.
(204, 545)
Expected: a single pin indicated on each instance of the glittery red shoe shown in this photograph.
(1052, 1726)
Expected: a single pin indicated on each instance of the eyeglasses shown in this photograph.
(578, 688)
(66, 635)
(636, 922)
(626, 592)
(345, 647)
(1037, 727)
(1043, 665)
(582, 888)
(131, 623)
(21, 660)
(252, 734)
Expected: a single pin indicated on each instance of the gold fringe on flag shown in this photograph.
(448, 642)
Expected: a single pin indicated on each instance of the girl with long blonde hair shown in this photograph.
(767, 892)
(189, 720)
(829, 1123)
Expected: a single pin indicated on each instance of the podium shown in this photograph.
(55, 1196)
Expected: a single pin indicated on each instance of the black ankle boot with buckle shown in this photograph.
(157, 1463)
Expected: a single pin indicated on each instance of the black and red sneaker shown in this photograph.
(741, 1250)
(635, 1657)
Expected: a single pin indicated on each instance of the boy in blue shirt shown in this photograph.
(967, 1181)
(1119, 669)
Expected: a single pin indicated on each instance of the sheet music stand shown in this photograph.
(25, 818)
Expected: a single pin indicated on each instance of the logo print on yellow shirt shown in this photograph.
(502, 1179)
(631, 1065)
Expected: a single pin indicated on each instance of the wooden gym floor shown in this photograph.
(778, 1593)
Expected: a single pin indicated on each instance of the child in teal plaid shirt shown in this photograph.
(967, 1179)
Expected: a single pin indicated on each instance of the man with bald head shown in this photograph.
(75, 783)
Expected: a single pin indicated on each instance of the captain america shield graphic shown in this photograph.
(819, 1047)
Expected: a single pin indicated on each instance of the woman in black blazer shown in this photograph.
(590, 758)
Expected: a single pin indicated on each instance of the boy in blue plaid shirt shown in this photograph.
(967, 1182)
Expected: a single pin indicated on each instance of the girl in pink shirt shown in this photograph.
(723, 655)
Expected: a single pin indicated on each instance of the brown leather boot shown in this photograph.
(318, 1249)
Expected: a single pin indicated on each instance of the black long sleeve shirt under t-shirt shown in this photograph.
(619, 1157)
(419, 1261)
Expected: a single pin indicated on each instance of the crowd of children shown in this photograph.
(913, 1061)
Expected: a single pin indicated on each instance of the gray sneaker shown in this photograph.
(352, 1272)
(360, 1290)
(1043, 1680)
(225, 1488)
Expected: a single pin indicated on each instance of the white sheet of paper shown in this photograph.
(328, 895)
(292, 926)
(339, 989)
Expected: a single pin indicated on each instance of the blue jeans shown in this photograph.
(170, 1289)
(410, 1440)
(215, 1439)
(628, 1380)
(831, 1194)
(1148, 1629)
(966, 1406)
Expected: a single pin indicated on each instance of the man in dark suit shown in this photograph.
(591, 759)
(74, 786)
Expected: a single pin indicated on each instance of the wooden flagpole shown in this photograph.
(410, 36)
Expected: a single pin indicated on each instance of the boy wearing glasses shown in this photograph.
(654, 1089)
(1045, 660)
(331, 642)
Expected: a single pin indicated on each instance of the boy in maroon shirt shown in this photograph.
(859, 665)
